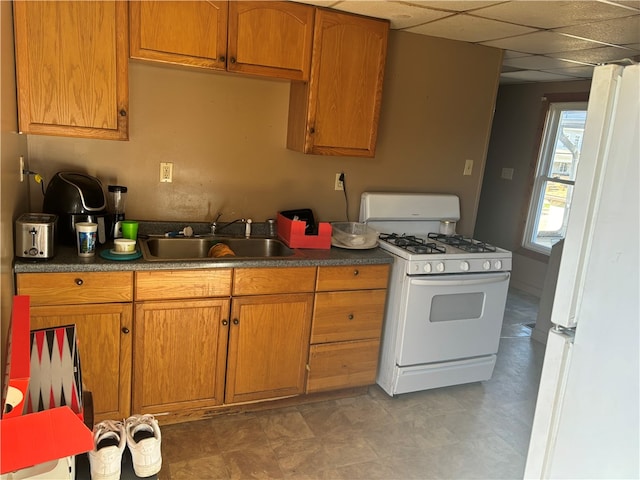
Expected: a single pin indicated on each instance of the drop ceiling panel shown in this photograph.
(537, 62)
(401, 15)
(597, 55)
(617, 31)
(541, 42)
(470, 29)
(541, 14)
(451, 6)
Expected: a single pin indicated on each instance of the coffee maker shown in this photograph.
(117, 195)
(76, 197)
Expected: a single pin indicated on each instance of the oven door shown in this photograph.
(449, 317)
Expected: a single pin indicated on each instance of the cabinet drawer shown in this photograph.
(340, 316)
(76, 287)
(342, 365)
(264, 281)
(354, 277)
(162, 285)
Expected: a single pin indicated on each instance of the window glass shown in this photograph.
(558, 160)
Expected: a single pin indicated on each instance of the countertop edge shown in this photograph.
(66, 260)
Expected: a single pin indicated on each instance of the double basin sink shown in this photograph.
(183, 248)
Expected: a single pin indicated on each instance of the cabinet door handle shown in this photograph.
(356, 273)
(225, 322)
(236, 321)
(222, 58)
(350, 316)
(232, 60)
(78, 281)
(125, 330)
(123, 113)
(312, 130)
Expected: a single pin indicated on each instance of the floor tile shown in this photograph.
(479, 430)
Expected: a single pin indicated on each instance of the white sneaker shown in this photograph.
(143, 439)
(105, 460)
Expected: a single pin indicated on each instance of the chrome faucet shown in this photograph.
(215, 228)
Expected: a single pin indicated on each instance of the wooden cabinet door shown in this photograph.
(192, 33)
(270, 38)
(268, 346)
(179, 355)
(72, 68)
(337, 112)
(104, 344)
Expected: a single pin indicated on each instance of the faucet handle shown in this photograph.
(247, 228)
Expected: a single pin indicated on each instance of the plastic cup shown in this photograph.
(86, 234)
(129, 229)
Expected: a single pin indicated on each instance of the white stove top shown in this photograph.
(432, 256)
(406, 223)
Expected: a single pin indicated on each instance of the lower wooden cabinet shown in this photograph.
(180, 350)
(197, 340)
(344, 364)
(347, 324)
(104, 344)
(268, 346)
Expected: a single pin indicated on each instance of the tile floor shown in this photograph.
(478, 430)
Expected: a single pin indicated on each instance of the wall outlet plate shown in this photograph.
(339, 185)
(166, 172)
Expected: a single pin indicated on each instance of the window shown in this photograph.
(555, 175)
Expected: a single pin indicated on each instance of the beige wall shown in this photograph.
(226, 135)
(514, 145)
(13, 194)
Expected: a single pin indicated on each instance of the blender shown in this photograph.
(116, 198)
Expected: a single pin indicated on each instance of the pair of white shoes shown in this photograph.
(140, 433)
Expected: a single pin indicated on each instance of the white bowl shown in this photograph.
(124, 245)
(354, 234)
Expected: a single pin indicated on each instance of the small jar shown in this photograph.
(447, 227)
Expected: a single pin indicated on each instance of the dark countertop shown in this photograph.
(66, 259)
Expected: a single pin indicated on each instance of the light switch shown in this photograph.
(507, 173)
(468, 167)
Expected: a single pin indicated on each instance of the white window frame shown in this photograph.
(543, 173)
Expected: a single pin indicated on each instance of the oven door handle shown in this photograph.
(468, 281)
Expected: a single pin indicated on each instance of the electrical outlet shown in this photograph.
(468, 167)
(21, 168)
(339, 183)
(166, 172)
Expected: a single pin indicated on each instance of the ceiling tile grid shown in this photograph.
(543, 40)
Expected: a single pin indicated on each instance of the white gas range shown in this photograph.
(447, 294)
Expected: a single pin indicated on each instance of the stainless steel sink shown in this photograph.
(157, 249)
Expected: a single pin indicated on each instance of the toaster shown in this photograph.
(34, 235)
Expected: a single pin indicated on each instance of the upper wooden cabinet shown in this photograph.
(270, 38)
(337, 111)
(183, 33)
(72, 68)
(253, 37)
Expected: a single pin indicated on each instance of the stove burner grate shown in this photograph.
(463, 243)
(412, 243)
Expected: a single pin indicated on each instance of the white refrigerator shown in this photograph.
(587, 417)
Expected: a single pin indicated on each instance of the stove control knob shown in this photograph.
(486, 265)
(464, 266)
(497, 264)
(427, 267)
(440, 267)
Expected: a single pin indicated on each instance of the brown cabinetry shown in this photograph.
(253, 37)
(72, 68)
(180, 350)
(269, 333)
(192, 33)
(99, 304)
(347, 323)
(337, 111)
(180, 339)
